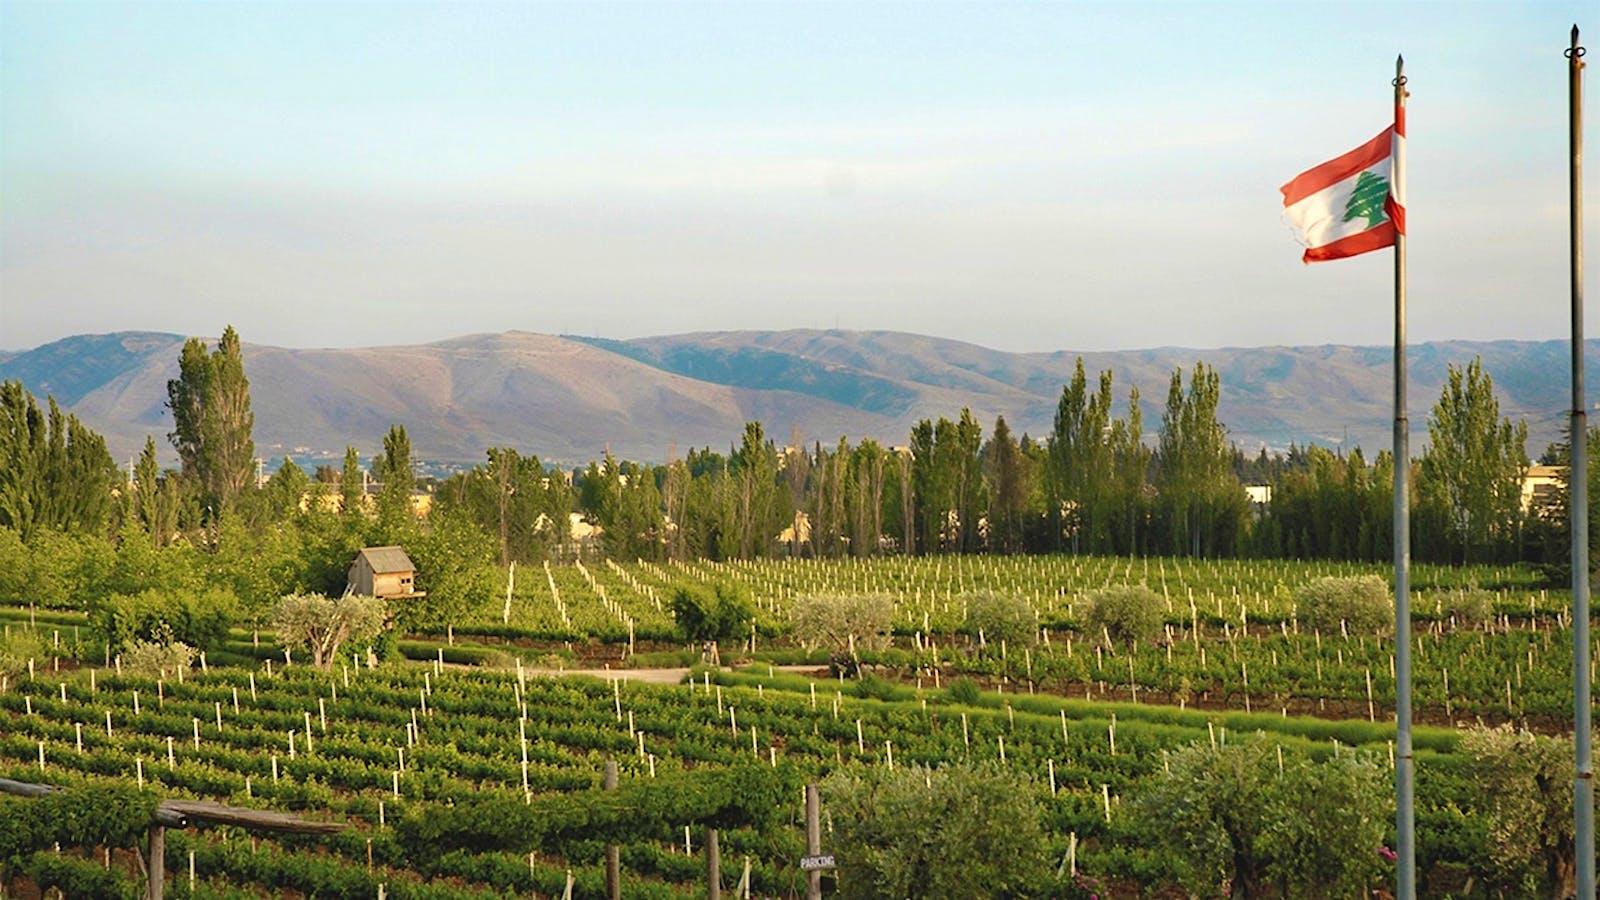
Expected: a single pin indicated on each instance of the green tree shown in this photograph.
(322, 625)
(352, 484)
(1362, 604)
(1125, 614)
(759, 516)
(1470, 485)
(212, 421)
(959, 831)
(1000, 616)
(396, 477)
(1525, 781)
(1010, 477)
(54, 472)
(455, 571)
(843, 621)
(1230, 817)
(719, 613)
(285, 490)
(513, 498)
(1200, 500)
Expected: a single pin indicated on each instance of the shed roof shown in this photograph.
(384, 560)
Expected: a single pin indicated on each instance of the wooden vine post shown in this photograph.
(613, 852)
(713, 865)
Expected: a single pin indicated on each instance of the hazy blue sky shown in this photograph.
(1029, 177)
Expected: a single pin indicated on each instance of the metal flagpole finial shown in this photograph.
(1575, 51)
(1399, 72)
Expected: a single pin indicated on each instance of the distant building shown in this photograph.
(383, 572)
(1540, 485)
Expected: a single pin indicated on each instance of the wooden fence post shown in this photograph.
(158, 861)
(713, 866)
(613, 852)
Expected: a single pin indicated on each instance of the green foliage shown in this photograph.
(54, 472)
(212, 421)
(1325, 824)
(1470, 485)
(1359, 604)
(95, 815)
(513, 498)
(1201, 503)
(1000, 616)
(963, 690)
(841, 621)
(949, 832)
(1469, 605)
(1125, 613)
(871, 687)
(322, 625)
(1525, 782)
(455, 567)
(200, 619)
(158, 657)
(718, 614)
(747, 795)
(1229, 815)
(17, 646)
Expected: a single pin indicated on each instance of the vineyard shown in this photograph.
(474, 768)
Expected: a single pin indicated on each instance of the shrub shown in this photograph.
(843, 621)
(718, 614)
(994, 616)
(199, 619)
(1361, 604)
(1125, 614)
(158, 657)
(871, 687)
(963, 690)
(17, 646)
(1468, 605)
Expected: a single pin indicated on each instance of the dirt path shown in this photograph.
(652, 676)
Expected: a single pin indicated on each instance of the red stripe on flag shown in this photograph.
(1400, 120)
(1396, 213)
(1336, 170)
(1354, 245)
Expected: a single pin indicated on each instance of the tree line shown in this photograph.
(1096, 483)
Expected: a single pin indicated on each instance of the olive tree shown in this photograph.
(1234, 816)
(1125, 614)
(1526, 785)
(955, 832)
(1358, 603)
(997, 616)
(843, 621)
(323, 625)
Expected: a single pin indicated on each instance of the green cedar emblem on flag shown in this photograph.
(1366, 201)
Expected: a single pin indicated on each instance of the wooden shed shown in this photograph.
(383, 572)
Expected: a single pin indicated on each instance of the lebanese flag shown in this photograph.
(1354, 203)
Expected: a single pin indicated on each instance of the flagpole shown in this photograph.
(1405, 819)
(1578, 478)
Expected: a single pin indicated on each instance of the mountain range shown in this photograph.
(568, 399)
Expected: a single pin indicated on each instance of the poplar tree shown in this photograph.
(1471, 478)
(212, 421)
(1200, 499)
(396, 476)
